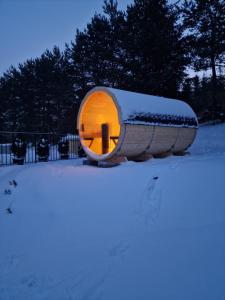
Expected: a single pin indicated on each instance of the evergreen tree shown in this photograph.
(205, 24)
(39, 95)
(12, 107)
(196, 93)
(55, 90)
(187, 91)
(155, 48)
(144, 49)
(97, 52)
(206, 94)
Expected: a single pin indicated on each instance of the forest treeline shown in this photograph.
(149, 48)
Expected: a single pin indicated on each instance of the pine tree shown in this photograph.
(155, 49)
(39, 95)
(206, 94)
(187, 91)
(196, 93)
(97, 52)
(11, 98)
(55, 90)
(205, 24)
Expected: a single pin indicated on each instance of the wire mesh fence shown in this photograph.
(58, 146)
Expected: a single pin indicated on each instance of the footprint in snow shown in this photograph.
(150, 202)
(10, 263)
(118, 249)
(30, 281)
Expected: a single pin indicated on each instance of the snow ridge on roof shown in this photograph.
(162, 120)
(135, 104)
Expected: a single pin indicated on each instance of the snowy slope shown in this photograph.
(83, 233)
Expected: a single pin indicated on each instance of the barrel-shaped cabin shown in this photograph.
(114, 124)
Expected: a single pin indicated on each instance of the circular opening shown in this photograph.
(99, 126)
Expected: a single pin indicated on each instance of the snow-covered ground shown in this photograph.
(139, 231)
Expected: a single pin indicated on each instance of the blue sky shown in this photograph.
(28, 27)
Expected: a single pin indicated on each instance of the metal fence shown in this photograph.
(31, 140)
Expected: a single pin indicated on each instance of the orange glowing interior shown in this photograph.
(99, 126)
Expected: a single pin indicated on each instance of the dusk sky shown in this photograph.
(29, 27)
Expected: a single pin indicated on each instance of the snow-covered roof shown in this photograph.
(138, 108)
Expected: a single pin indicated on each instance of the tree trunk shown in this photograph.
(214, 82)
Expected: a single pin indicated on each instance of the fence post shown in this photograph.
(32, 140)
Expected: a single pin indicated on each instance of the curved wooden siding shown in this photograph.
(185, 138)
(145, 125)
(135, 140)
(163, 139)
(141, 139)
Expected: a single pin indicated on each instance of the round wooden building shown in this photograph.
(114, 124)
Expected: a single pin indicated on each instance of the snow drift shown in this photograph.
(151, 230)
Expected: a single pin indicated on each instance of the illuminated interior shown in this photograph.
(99, 126)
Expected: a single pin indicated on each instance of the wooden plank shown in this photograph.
(135, 141)
(185, 139)
(163, 140)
